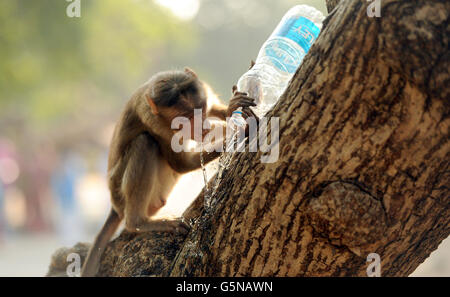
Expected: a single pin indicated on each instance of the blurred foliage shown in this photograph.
(53, 66)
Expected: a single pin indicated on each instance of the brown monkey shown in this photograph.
(142, 167)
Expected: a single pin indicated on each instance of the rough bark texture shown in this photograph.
(363, 165)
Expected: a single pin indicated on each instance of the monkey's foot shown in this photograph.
(173, 226)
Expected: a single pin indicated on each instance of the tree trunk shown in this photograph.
(363, 165)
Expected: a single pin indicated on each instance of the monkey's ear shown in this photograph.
(190, 71)
(152, 104)
(252, 63)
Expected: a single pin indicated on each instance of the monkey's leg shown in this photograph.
(140, 189)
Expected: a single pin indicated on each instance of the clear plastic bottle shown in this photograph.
(279, 58)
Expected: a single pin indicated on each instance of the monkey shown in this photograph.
(142, 167)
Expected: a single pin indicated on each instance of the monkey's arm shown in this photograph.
(218, 110)
(239, 99)
(185, 160)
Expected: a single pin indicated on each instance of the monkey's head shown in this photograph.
(176, 94)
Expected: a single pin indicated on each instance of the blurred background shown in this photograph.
(63, 83)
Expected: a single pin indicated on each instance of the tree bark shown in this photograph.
(363, 165)
(331, 4)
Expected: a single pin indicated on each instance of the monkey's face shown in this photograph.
(196, 119)
(192, 105)
(190, 112)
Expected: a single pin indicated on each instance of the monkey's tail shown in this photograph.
(92, 262)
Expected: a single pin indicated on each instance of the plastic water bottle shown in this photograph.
(279, 58)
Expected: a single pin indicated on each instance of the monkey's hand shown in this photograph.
(241, 99)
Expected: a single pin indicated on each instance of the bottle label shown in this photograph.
(300, 30)
(284, 55)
